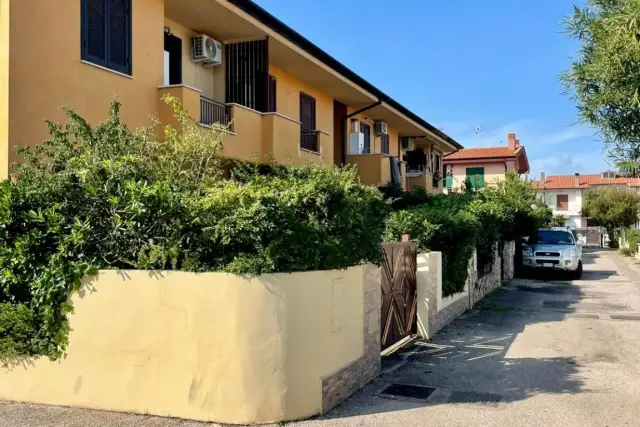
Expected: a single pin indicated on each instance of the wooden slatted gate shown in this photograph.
(399, 298)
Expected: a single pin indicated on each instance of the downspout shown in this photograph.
(345, 124)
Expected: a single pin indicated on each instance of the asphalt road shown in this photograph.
(544, 352)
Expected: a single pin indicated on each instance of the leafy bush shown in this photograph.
(627, 252)
(106, 197)
(457, 223)
(441, 225)
(633, 238)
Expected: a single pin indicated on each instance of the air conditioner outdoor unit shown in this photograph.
(407, 143)
(206, 50)
(382, 128)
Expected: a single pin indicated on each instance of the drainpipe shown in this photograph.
(346, 126)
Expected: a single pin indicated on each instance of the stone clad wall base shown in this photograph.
(508, 260)
(341, 384)
(434, 310)
(488, 283)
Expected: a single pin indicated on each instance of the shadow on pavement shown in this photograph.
(479, 352)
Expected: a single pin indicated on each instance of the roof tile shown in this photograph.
(482, 153)
(585, 181)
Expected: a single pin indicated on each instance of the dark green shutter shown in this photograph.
(449, 182)
(476, 176)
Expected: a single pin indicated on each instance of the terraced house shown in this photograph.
(228, 61)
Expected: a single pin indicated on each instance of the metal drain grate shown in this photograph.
(625, 317)
(408, 391)
(474, 398)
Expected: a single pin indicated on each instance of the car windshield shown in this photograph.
(550, 237)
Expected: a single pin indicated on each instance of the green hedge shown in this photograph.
(456, 223)
(448, 230)
(101, 197)
(632, 237)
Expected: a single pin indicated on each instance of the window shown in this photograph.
(308, 134)
(173, 59)
(562, 202)
(106, 33)
(365, 129)
(475, 177)
(271, 95)
(437, 173)
(448, 183)
(384, 141)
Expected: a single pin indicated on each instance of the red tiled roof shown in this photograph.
(482, 153)
(585, 181)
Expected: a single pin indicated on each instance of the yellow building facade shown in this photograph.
(282, 97)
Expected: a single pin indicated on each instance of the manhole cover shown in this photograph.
(625, 317)
(473, 398)
(408, 391)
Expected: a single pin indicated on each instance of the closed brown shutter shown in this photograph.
(562, 201)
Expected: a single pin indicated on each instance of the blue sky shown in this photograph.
(461, 65)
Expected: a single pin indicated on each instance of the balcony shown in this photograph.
(214, 112)
(425, 180)
(375, 169)
(252, 135)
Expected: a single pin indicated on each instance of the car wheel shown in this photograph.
(577, 275)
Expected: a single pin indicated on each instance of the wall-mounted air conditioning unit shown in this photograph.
(382, 128)
(206, 50)
(406, 143)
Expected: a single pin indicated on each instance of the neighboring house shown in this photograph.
(565, 193)
(228, 61)
(484, 166)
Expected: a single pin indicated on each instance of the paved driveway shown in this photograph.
(538, 353)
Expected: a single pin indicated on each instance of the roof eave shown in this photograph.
(299, 40)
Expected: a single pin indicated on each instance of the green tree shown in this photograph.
(558, 221)
(611, 207)
(605, 77)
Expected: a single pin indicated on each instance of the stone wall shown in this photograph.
(486, 284)
(508, 260)
(341, 384)
(436, 311)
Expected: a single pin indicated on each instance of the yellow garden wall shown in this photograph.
(211, 347)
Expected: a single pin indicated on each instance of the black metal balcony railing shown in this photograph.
(214, 112)
(309, 139)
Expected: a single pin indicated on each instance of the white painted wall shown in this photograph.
(574, 213)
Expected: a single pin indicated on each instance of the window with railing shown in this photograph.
(308, 133)
(384, 144)
(212, 112)
(309, 139)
